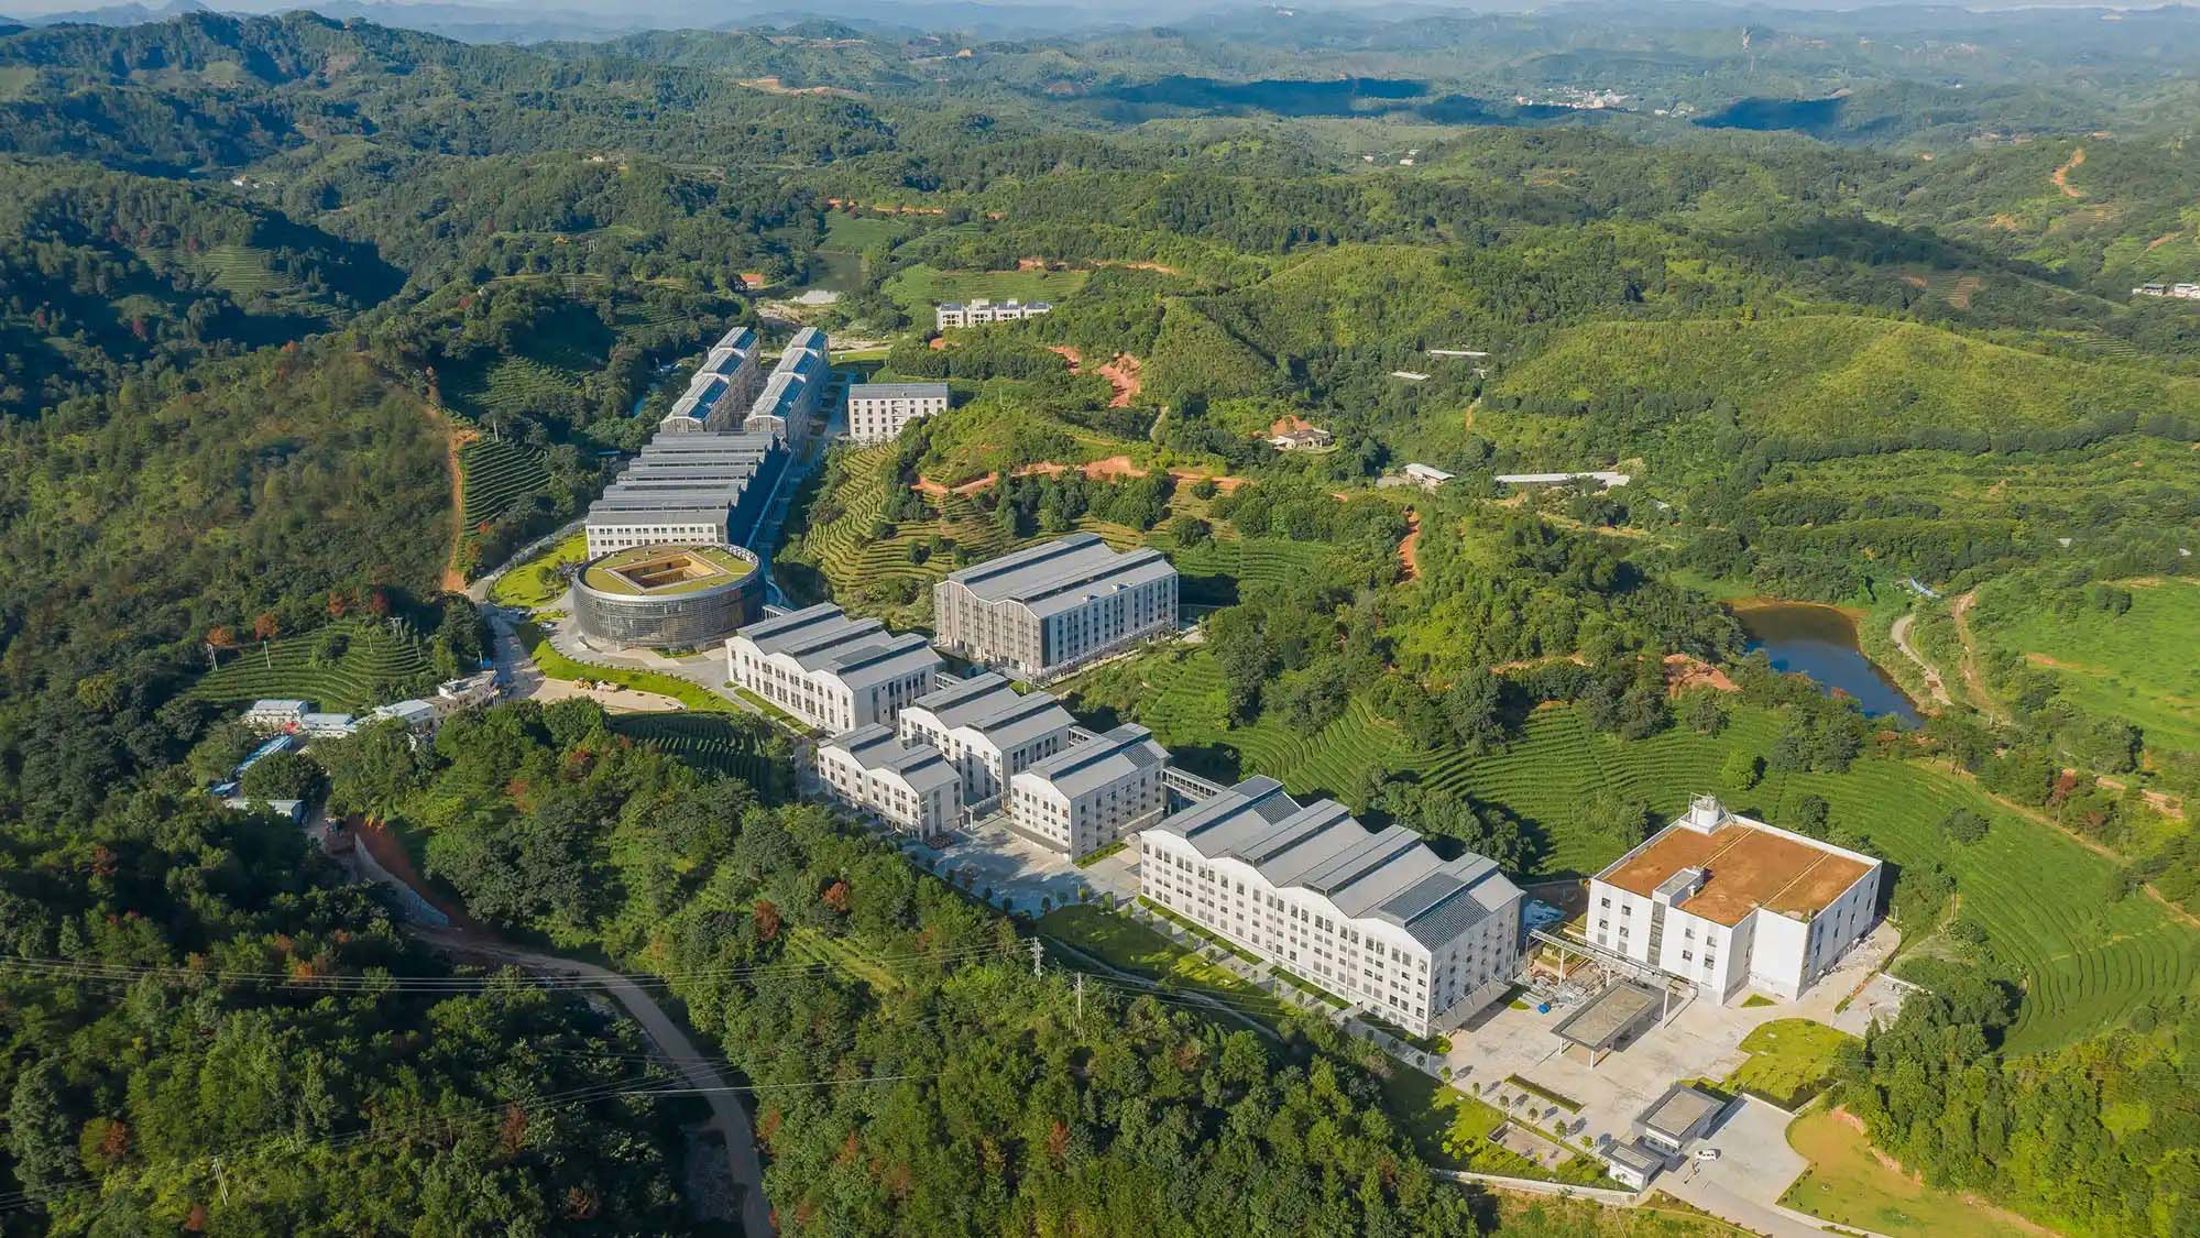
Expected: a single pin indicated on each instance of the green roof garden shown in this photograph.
(667, 571)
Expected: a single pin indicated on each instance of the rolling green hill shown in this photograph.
(1832, 377)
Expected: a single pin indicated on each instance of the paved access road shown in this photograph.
(727, 1111)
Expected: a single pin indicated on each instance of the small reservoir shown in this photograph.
(1820, 642)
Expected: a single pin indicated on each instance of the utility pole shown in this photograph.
(1037, 951)
(1080, 1000)
(221, 1180)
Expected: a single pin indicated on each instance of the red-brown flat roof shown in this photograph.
(1744, 868)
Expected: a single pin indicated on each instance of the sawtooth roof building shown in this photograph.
(1726, 903)
(987, 730)
(831, 672)
(795, 390)
(696, 489)
(1093, 793)
(1047, 609)
(911, 787)
(722, 388)
(1376, 918)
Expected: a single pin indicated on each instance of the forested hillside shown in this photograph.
(304, 322)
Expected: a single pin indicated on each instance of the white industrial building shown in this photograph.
(417, 716)
(328, 725)
(982, 312)
(1376, 918)
(1093, 793)
(1049, 608)
(911, 787)
(987, 731)
(832, 672)
(276, 714)
(795, 390)
(878, 411)
(700, 488)
(1729, 903)
(721, 389)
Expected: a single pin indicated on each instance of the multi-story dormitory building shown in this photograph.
(987, 730)
(831, 672)
(1092, 793)
(794, 391)
(909, 786)
(1046, 609)
(982, 312)
(722, 388)
(700, 488)
(1374, 917)
(878, 411)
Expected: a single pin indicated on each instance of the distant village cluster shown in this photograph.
(2181, 292)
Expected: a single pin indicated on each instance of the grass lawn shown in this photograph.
(1091, 858)
(1789, 1060)
(556, 665)
(1662, 1216)
(918, 288)
(1847, 1185)
(535, 584)
(856, 233)
(1129, 946)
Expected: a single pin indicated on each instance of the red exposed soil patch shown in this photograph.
(1112, 468)
(2163, 239)
(1683, 672)
(1409, 548)
(2061, 175)
(387, 851)
(1223, 481)
(455, 437)
(1288, 423)
(1122, 374)
(939, 342)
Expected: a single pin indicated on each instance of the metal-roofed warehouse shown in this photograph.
(1378, 918)
(698, 489)
(794, 390)
(1049, 608)
(720, 391)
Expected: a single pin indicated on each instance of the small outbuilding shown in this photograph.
(1678, 1118)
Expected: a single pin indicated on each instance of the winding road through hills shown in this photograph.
(728, 1114)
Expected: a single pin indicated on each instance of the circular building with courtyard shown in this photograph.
(667, 597)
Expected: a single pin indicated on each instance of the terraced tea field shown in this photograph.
(498, 475)
(713, 743)
(2038, 894)
(375, 668)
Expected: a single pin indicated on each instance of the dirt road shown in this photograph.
(727, 1112)
(1900, 634)
(1974, 685)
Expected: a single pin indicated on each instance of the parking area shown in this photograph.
(1695, 1039)
(1024, 876)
